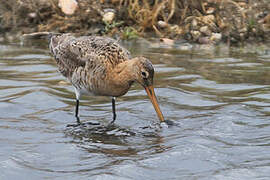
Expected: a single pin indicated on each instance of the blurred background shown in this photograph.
(202, 21)
(212, 69)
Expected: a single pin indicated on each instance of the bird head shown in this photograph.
(145, 74)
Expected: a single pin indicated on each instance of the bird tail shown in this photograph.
(38, 35)
(53, 39)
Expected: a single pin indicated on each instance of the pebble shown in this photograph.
(162, 24)
(243, 30)
(108, 16)
(205, 30)
(195, 34)
(216, 37)
(2, 39)
(68, 6)
(208, 19)
(242, 35)
(176, 29)
(32, 15)
(242, 4)
(204, 40)
(254, 30)
(194, 24)
(210, 10)
(265, 28)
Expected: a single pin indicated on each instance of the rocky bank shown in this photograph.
(199, 21)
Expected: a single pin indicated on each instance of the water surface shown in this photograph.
(218, 96)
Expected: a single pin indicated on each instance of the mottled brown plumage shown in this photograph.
(100, 66)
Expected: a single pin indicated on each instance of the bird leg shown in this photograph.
(113, 110)
(77, 111)
(76, 115)
(78, 118)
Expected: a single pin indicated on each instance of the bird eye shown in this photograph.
(144, 74)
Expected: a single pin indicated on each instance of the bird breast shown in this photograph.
(99, 83)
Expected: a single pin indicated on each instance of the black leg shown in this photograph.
(76, 115)
(113, 110)
(77, 111)
(78, 118)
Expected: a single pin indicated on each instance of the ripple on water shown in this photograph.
(219, 101)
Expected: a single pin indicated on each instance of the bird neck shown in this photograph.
(123, 76)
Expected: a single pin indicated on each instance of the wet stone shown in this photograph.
(162, 24)
(205, 30)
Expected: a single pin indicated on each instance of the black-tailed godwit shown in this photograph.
(99, 66)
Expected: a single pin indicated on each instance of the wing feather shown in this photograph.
(95, 53)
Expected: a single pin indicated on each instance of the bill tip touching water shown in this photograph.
(99, 66)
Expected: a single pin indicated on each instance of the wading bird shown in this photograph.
(99, 66)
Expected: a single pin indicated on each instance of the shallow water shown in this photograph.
(218, 97)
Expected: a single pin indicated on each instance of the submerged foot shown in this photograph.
(169, 123)
(84, 124)
(111, 123)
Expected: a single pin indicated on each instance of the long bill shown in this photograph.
(151, 93)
